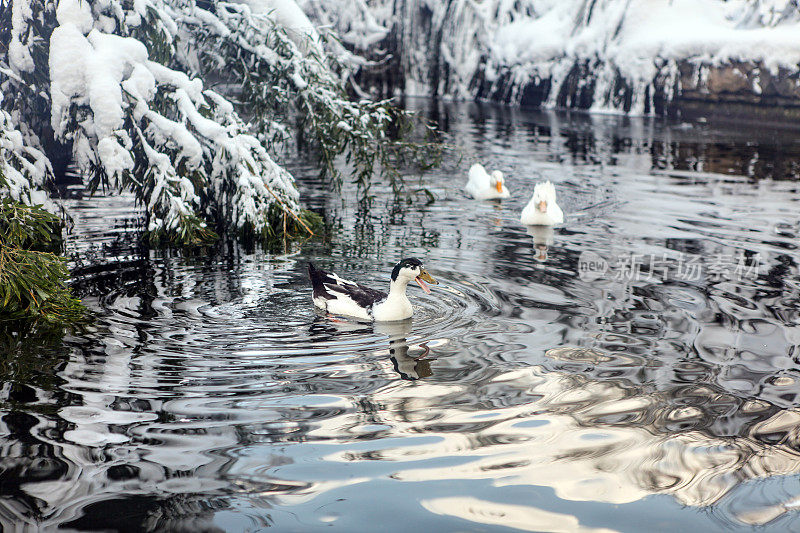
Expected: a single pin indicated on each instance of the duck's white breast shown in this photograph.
(393, 308)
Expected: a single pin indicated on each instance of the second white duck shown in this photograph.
(542, 210)
(483, 186)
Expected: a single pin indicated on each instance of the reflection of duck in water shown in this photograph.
(542, 240)
(410, 366)
(342, 297)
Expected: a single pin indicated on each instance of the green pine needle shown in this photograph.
(33, 279)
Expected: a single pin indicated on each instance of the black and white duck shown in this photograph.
(342, 297)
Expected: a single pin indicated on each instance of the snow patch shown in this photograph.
(77, 12)
(19, 56)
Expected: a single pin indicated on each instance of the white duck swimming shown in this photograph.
(542, 210)
(342, 297)
(483, 186)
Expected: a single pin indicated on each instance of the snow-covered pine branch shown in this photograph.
(121, 85)
(24, 170)
(136, 123)
(284, 75)
(292, 79)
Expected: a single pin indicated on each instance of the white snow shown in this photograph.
(19, 57)
(513, 44)
(77, 12)
(88, 71)
(114, 157)
(112, 76)
(112, 59)
(23, 168)
(289, 16)
(68, 47)
(636, 41)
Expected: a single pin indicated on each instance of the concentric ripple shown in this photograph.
(210, 394)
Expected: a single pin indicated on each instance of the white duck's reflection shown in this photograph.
(542, 240)
(408, 359)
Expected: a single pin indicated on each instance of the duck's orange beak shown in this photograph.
(422, 278)
(543, 206)
(499, 186)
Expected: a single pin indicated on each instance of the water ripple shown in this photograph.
(209, 393)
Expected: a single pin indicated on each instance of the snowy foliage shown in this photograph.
(136, 123)
(295, 74)
(608, 55)
(24, 170)
(359, 25)
(764, 13)
(121, 85)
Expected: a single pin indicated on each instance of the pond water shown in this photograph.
(635, 368)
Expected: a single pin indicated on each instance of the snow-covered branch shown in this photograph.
(284, 74)
(24, 170)
(119, 84)
(137, 123)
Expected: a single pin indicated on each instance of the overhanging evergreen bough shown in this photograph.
(287, 72)
(119, 83)
(137, 123)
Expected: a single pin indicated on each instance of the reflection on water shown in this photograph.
(542, 239)
(211, 396)
(410, 361)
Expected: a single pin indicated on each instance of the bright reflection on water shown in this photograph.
(211, 396)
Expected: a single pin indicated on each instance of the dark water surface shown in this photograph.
(528, 393)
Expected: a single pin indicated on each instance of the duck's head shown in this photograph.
(544, 194)
(411, 268)
(497, 180)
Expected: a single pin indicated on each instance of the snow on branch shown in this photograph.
(136, 123)
(119, 84)
(287, 76)
(24, 170)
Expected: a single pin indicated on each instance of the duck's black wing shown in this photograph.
(327, 286)
(363, 296)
